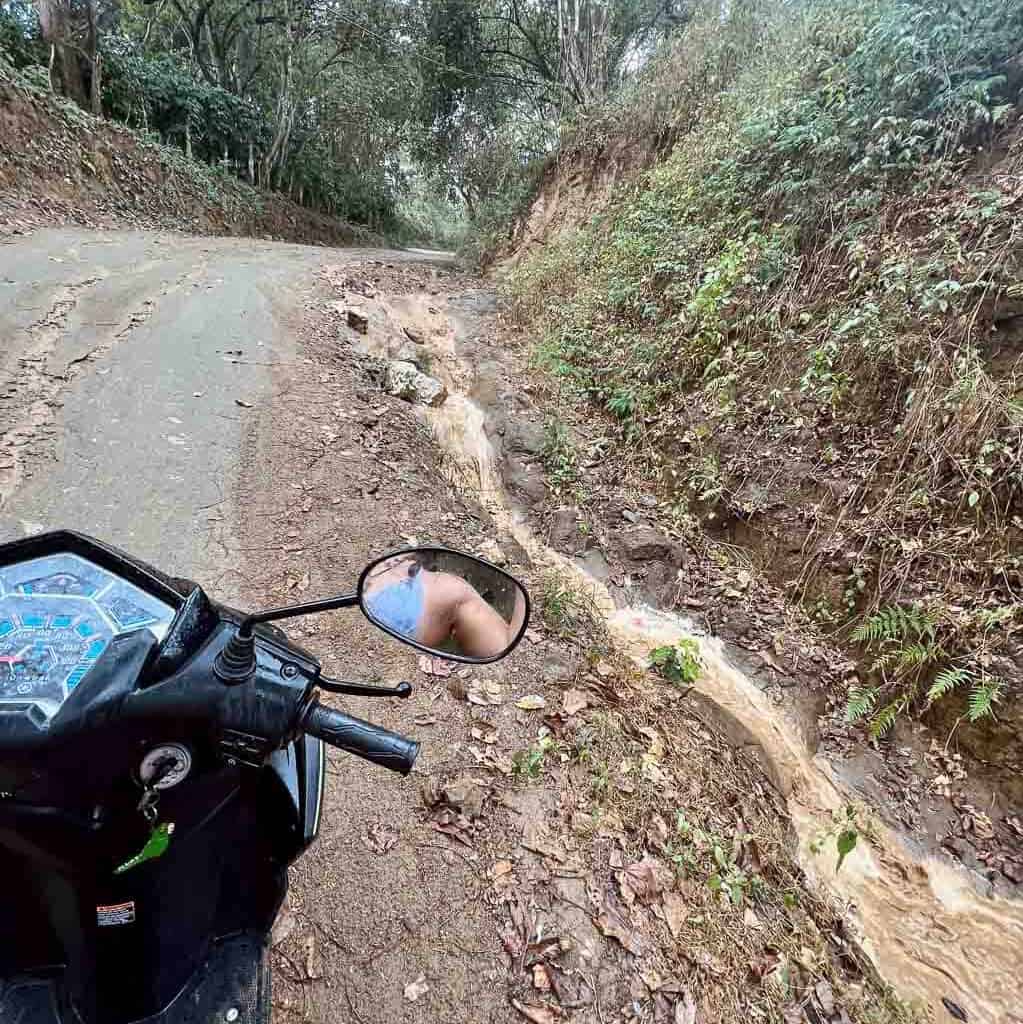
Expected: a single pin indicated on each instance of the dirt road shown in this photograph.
(577, 842)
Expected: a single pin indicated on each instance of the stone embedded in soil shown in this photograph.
(564, 534)
(736, 624)
(558, 666)
(465, 794)
(1013, 871)
(408, 353)
(407, 382)
(523, 436)
(358, 320)
(645, 544)
(492, 552)
(525, 480)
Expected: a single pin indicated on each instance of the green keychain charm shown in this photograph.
(156, 846)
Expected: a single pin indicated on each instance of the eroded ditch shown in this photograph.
(927, 925)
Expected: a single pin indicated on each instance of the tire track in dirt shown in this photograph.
(33, 396)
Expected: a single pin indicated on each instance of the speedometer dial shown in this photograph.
(57, 616)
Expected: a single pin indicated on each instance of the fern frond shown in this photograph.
(861, 701)
(983, 697)
(918, 654)
(883, 661)
(945, 682)
(885, 718)
(895, 623)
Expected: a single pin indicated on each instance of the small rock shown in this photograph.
(466, 795)
(358, 320)
(557, 666)
(564, 534)
(491, 551)
(524, 437)
(405, 381)
(408, 353)
(736, 625)
(413, 336)
(1013, 871)
(645, 544)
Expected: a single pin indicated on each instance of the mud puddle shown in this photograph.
(927, 925)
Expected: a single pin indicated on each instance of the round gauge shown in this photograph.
(43, 657)
(171, 761)
(58, 615)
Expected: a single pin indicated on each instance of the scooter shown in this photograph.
(162, 763)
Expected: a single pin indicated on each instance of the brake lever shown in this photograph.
(402, 690)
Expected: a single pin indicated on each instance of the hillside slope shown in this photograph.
(60, 165)
(786, 268)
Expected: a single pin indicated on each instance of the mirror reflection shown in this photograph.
(451, 603)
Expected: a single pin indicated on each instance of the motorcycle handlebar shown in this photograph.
(381, 746)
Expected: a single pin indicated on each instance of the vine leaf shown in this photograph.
(846, 845)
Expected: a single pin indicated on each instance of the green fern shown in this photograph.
(895, 622)
(885, 718)
(945, 682)
(860, 702)
(985, 694)
(919, 655)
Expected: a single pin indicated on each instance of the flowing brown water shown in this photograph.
(926, 924)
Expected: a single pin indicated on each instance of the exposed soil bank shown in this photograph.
(61, 166)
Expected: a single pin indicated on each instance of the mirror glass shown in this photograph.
(446, 603)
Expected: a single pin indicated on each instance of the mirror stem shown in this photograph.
(236, 663)
(293, 610)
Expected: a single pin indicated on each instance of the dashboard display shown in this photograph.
(57, 616)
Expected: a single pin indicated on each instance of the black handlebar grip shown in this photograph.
(381, 746)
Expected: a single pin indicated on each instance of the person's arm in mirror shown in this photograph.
(454, 608)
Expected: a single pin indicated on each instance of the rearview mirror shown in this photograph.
(446, 603)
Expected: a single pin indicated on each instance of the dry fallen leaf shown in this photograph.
(434, 666)
(541, 979)
(501, 871)
(381, 838)
(674, 912)
(416, 989)
(611, 924)
(484, 693)
(575, 701)
(531, 702)
(685, 1009)
(640, 881)
(825, 996)
(537, 1014)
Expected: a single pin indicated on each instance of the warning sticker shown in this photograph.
(115, 913)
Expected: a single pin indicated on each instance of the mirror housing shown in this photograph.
(445, 603)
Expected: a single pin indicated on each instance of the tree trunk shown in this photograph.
(252, 163)
(188, 137)
(55, 28)
(93, 56)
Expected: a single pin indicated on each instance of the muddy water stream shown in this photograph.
(926, 924)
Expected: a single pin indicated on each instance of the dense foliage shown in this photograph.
(824, 271)
(407, 115)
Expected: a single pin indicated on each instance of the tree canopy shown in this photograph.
(349, 106)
